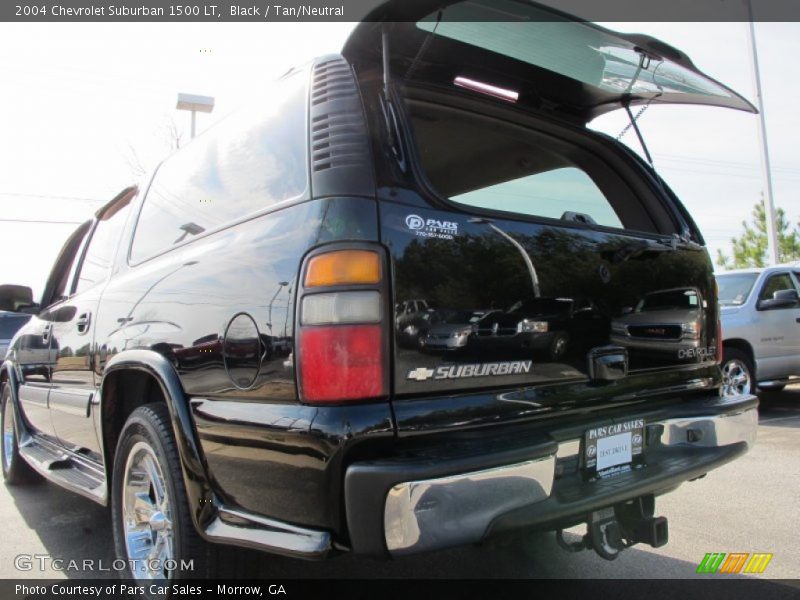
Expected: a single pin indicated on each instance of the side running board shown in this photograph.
(67, 469)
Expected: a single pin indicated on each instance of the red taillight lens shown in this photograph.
(341, 363)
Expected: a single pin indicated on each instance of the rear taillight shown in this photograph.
(343, 267)
(341, 363)
(341, 341)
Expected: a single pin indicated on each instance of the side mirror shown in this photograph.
(15, 297)
(626, 310)
(780, 299)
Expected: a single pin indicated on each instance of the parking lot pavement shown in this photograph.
(750, 505)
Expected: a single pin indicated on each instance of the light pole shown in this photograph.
(281, 285)
(769, 205)
(195, 104)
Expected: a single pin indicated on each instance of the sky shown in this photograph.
(82, 104)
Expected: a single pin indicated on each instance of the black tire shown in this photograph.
(148, 434)
(15, 470)
(734, 360)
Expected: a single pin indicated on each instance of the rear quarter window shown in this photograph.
(250, 161)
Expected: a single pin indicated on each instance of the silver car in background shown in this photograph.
(450, 329)
(760, 316)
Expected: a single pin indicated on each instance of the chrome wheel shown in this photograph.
(736, 379)
(147, 519)
(8, 435)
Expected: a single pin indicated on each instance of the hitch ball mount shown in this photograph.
(611, 530)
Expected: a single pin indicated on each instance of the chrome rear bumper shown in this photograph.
(458, 509)
(421, 515)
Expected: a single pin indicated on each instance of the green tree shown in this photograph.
(750, 248)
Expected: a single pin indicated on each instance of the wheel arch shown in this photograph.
(744, 346)
(156, 375)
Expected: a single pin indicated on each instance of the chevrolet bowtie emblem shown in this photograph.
(420, 374)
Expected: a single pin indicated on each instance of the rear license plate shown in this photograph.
(613, 447)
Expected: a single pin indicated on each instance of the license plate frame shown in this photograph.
(614, 447)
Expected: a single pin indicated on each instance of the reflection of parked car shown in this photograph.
(663, 322)
(536, 324)
(202, 351)
(10, 323)
(277, 345)
(411, 320)
(34, 355)
(449, 329)
(760, 316)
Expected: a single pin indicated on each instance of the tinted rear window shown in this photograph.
(494, 165)
(250, 161)
(544, 193)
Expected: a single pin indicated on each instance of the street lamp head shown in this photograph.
(195, 103)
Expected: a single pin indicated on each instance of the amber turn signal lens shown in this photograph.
(344, 267)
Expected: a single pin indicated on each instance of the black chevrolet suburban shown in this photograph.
(216, 354)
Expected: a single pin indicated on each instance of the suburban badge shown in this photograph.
(513, 367)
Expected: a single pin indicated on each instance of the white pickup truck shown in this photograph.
(760, 315)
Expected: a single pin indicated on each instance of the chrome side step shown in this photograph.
(70, 470)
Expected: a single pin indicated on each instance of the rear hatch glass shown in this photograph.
(533, 55)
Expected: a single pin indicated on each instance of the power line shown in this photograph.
(41, 222)
(51, 197)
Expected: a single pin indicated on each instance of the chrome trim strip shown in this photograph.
(711, 432)
(246, 529)
(33, 394)
(422, 515)
(73, 402)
